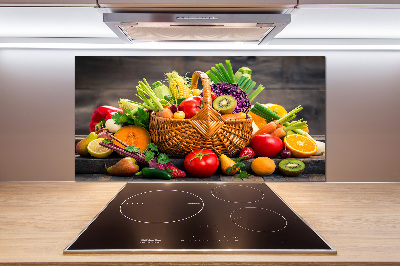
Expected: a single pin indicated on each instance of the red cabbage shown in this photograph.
(242, 99)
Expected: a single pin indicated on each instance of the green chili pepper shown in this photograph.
(154, 173)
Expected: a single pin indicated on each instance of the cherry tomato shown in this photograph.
(179, 115)
(266, 145)
(201, 163)
(190, 106)
(213, 96)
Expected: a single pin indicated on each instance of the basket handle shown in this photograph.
(205, 80)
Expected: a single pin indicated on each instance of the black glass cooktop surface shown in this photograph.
(198, 217)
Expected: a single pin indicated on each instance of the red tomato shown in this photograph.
(213, 96)
(266, 145)
(190, 106)
(201, 163)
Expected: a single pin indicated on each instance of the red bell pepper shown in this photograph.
(100, 115)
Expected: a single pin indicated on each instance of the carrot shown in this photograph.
(240, 115)
(279, 132)
(266, 129)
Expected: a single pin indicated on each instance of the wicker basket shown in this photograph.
(207, 129)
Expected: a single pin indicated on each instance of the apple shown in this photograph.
(266, 145)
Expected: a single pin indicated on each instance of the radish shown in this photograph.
(320, 148)
(111, 126)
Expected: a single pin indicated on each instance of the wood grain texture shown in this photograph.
(360, 220)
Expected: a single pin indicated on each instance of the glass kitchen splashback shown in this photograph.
(279, 83)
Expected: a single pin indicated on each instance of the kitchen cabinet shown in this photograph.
(341, 3)
(359, 220)
(65, 3)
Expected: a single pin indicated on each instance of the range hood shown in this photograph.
(258, 28)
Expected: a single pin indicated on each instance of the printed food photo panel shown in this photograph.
(200, 118)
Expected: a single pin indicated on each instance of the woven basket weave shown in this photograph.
(207, 129)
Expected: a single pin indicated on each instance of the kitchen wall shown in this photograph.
(37, 89)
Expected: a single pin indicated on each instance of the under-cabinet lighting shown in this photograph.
(200, 46)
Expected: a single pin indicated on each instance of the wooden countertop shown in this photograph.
(360, 220)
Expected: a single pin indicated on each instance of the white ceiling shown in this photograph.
(86, 22)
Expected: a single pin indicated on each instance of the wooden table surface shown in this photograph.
(360, 220)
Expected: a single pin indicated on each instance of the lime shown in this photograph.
(98, 151)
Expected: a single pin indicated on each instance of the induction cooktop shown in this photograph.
(198, 217)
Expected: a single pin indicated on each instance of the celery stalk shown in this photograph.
(144, 99)
(143, 105)
(302, 132)
(296, 125)
(284, 119)
(230, 71)
(147, 89)
(253, 83)
(246, 86)
(241, 80)
(222, 70)
(238, 76)
(212, 76)
(254, 94)
(219, 75)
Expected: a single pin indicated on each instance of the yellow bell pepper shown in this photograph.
(280, 110)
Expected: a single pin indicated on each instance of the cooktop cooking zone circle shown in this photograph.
(237, 194)
(167, 206)
(258, 219)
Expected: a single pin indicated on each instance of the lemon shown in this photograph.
(98, 151)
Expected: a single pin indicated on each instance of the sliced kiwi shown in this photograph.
(225, 104)
(291, 167)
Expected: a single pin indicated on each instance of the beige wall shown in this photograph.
(37, 112)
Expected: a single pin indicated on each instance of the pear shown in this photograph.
(124, 167)
(81, 147)
(225, 163)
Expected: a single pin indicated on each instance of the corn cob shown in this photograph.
(127, 104)
(178, 85)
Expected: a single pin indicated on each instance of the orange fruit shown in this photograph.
(263, 166)
(300, 146)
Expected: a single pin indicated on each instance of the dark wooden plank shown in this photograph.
(93, 169)
(90, 165)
